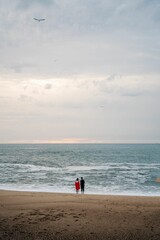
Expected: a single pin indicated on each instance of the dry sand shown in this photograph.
(69, 216)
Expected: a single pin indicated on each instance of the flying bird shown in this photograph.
(39, 19)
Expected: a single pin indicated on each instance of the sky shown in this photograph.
(89, 73)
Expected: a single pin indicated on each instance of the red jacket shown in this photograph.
(77, 185)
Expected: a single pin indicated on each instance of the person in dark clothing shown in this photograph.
(82, 183)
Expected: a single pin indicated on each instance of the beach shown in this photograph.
(35, 215)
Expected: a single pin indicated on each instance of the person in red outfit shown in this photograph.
(77, 185)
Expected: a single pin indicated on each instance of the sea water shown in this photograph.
(117, 169)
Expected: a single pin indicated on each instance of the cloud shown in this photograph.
(23, 98)
(85, 38)
(30, 3)
(111, 77)
(48, 86)
(106, 55)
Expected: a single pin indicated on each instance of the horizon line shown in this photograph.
(69, 143)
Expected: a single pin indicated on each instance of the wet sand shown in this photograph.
(37, 216)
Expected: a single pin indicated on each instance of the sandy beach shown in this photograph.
(28, 215)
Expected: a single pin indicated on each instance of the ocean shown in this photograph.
(117, 169)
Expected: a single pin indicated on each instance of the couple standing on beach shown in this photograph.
(79, 185)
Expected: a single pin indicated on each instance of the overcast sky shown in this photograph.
(89, 73)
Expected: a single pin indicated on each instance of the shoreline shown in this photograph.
(41, 215)
(86, 193)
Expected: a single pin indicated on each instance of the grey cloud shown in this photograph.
(22, 67)
(29, 3)
(107, 15)
(96, 42)
(111, 77)
(48, 86)
(95, 15)
(115, 85)
(131, 93)
(99, 37)
(23, 98)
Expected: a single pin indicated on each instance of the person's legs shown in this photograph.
(82, 189)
